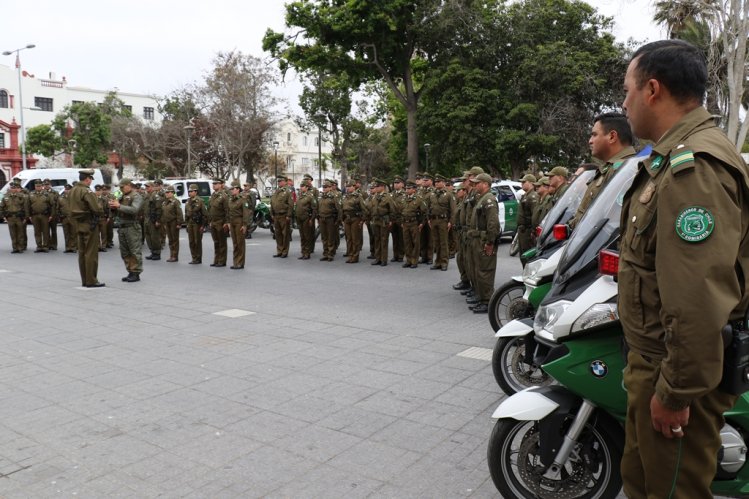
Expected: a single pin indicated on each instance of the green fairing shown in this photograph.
(538, 294)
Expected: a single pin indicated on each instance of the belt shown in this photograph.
(409, 220)
(435, 217)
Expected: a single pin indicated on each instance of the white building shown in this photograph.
(45, 96)
(298, 150)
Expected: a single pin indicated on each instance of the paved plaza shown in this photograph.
(289, 378)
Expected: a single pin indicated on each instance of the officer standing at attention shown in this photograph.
(171, 219)
(460, 194)
(441, 208)
(239, 219)
(329, 216)
(102, 226)
(68, 230)
(544, 201)
(127, 209)
(397, 230)
(86, 211)
(427, 247)
(611, 142)
(354, 212)
(469, 205)
(218, 217)
(526, 229)
(413, 216)
(281, 208)
(15, 209)
(686, 216)
(107, 193)
(42, 212)
(381, 210)
(483, 233)
(250, 195)
(306, 212)
(153, 221)
(558, 182)
(196, 215)
(55, 199)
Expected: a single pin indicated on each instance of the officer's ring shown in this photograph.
(676, 429)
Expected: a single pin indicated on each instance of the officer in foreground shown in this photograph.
(196, 215)
(686, 216)
(86, 211)
(483, 234)
(129, 232)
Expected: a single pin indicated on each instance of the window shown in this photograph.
(288, 137)
(304, 140)
(44, 103)
(505, 194)
(148, 113)
(305, 161)
(3, 98)
(76, 102)
(2, 141)
(317, 141)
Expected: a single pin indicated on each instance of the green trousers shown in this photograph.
(131, 247)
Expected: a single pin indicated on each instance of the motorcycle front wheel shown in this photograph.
(591, 472)
(510, 370)
(507, 304)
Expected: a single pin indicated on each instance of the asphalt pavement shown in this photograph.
(290, 378)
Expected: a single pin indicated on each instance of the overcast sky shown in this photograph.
(157, 46)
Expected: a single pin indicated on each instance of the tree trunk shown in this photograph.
(412, 149)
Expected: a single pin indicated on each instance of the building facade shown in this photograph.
(43, 98)
(298, 153)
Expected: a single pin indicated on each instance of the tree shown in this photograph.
(42, 139)
(368, 40)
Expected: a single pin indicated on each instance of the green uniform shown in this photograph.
(602, 177)
(413, 215)
(452, 233)
(239, 218)
(381, 210)
(468, 204)
(426, 249)
(103, 221)
(526, 229)
(397, 228)
(172, 219)
(43, 210)
(329, 215)
(15, 209)
(459, 220)
(129, 231)
(218, 216)
(196, 215)
(684, 258)
(441, 207)
(68, 229)
(153, 224)
(86, 212)
(281, 209)
(483, 229)
(306, 213)
(542, 208)
(354, 212)
(55, 198)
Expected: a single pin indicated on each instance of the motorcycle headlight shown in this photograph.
(548, 315)
(530, 272)
(596, 315)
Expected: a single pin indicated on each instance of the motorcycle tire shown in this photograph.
(593, 465)
(252, 227)
(510, 372)
(507, 304)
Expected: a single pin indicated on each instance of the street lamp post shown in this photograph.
(20, 99)
(275, 159)
(426, 148)
(188, 130)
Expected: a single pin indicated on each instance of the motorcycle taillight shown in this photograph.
(561, 232)
(608, 262)
(538, 230)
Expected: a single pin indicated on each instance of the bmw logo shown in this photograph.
(599, 369)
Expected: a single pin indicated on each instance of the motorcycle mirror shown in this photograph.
(561, 232)
(608, 262)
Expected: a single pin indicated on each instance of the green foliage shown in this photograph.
(89, 128)
(43, 140)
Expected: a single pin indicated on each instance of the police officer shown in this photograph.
(86, 211)
(55, 200)
(15, 209)
(127, 209)
(441, 207)
(397, 230)
(172, 219)
(413, 216)
(196, 215)
(354, 212)
(329, 217)
(239, 219)
(218, 218)
(682, 274)
(526, 206)
(469, 204)
(558, 182)
(611, 142)
(42, 212)
(68, 230)
(483, 232)
(427, 247)
(154, 208)
(458, 218)
(544, 201)
(251, 195)
(281, 209)
(306, 213)
(381, 209)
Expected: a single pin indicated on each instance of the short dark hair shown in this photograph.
(676, 64)
(617, 122)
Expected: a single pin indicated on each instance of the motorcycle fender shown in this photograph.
(530, 404)
(517, 327)
(517, 278)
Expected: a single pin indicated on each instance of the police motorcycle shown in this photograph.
(261, 218)
(515, 357)
(566, 439)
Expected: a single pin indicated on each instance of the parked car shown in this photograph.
(181, 185)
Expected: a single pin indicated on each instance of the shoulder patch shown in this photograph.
(694, 224)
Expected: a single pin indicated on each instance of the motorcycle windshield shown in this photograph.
(599, 227)
(564, 209)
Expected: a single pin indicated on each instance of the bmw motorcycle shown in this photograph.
(566, 439)
(261, 218)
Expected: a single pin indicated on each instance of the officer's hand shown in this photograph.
(670, 423)
(488, 249)
(243, 229)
